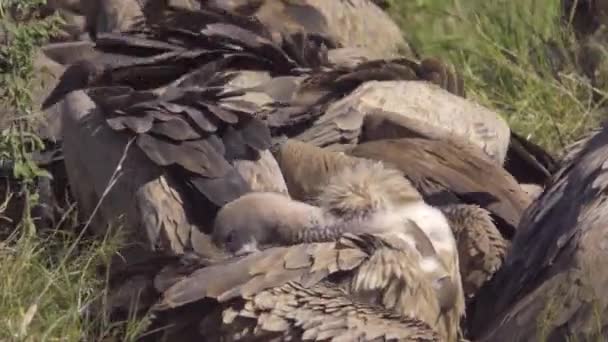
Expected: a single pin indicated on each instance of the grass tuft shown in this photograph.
(28, 266)
(517, 58)
(49, 280)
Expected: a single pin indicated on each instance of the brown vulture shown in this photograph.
(552, 284)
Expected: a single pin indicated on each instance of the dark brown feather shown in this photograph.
(137, 124)
(166, 84)
(175, 129)
(528, 162)
(553, 274)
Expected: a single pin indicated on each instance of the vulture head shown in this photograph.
(259, 220)
(79, 75)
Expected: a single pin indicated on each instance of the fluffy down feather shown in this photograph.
(481, 248)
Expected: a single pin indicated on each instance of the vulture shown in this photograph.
(172, 98)
(483, 212)
(370, 240)
(552, 284)
(353, 24)
(103, 16)
(184, 89)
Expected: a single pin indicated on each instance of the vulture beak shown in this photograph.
(77, 76)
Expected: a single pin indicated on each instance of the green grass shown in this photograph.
(43, 298)
(505, 49)
(48, 278)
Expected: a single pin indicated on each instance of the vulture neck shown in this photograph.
(324, 226)
(320, 226)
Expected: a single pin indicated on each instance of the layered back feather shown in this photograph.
(372, 271)
(167, 86)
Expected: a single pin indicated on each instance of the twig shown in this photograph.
(113, 180)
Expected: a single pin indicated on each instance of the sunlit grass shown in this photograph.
(50, 283)
(516, 57)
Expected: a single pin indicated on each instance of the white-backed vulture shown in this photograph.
(552, 284)
(373, 202)
(359, 195)
(449, 182)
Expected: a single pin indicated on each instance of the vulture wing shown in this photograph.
(306, 167)
(318, 313)
(190, 131)
(331, 119)
(310, 277)
(553, 276)
(481, 247)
